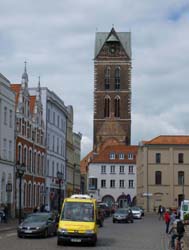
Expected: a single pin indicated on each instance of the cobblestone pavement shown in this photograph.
(145, 234)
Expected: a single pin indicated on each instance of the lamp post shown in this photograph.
(183, 187)
(20, 170)
(60, 177)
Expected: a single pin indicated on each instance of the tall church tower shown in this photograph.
(112, 88)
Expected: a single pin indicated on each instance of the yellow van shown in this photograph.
(78, 220)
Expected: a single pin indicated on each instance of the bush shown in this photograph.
(186, 217)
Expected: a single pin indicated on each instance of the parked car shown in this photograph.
(38, 224)
(100, 216)
(137, 213)
(123, 215)
(142, 210)
(106, 208)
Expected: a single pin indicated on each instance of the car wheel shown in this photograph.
(113, 221)
(59, 242)
(45, 233)
(132, 221)
(19, 235)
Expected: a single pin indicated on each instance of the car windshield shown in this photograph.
(136, 208)
(78, 211)
(121, 211)
(37, 218)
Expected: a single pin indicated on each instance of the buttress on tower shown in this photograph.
(112, 88)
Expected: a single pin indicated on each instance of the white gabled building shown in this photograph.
(7, 144)
(55, 119)
(112, 175)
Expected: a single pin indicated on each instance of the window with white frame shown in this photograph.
(53, 169)
(121, 156)
(103, 169)
(130, 169)
(47, 169)
(112, 183)
(5, 149)
(121, 183)
(5, 115)
(10, 119)
(112, 169)
(121, 169)
(48, 115)
(131, 183)
(112, 156)
(54, 118)
(103, 183)
(10, 150)
(130, 156)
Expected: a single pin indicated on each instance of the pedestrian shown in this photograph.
(5, 213)
(172, 217)
(167, 220)
(160, 212)
(35, 210)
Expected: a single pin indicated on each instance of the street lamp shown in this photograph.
(60, 177)
(183, 187)
(20, 170)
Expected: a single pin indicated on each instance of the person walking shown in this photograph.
(5, 213)
(160, 212)
(167, 220)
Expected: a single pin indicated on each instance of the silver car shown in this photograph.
(38, 224)
(137, 212)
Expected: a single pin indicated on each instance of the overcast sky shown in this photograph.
(56, 38)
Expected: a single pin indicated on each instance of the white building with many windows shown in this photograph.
(7, 144)
(112, 175)
(55, 119)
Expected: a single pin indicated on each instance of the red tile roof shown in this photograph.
(16, 88)
(169, 140)
(104, 155)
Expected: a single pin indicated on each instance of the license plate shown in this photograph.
(75, 240)
(28, 231)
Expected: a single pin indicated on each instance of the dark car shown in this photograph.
(38, 224)
(100, 216)
(106, 208)
(123, 215)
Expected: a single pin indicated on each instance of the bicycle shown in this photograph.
(179, 244)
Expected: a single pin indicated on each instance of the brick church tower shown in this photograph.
(112, 88)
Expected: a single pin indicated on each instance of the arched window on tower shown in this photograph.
(117, 78)
(107, 78)
(117, 106)
(107, 106)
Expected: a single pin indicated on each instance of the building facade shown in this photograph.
(112, 175)
(30, 146)
(163, 172)
(7, 145)
(112, 88)
(55, 117)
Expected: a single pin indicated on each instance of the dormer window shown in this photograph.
(130, 156)
(112, 156)
(121, 156)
